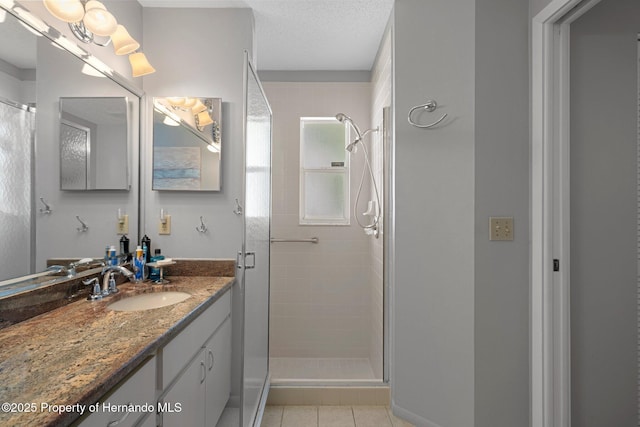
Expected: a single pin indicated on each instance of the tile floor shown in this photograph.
(330, 416)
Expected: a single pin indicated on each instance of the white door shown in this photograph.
(584, 327)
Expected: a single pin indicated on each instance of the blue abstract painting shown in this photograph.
(176, 168)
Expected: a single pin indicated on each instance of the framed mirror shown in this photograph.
(94, 143)
(186, 144)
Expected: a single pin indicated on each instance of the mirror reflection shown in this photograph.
(39, 222)
(186, 144)
(93, 144)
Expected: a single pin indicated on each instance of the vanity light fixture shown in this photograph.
(202, 119)
(98, 19)
(91, 18)
(139, 65)
(123, 43)
(199, 107)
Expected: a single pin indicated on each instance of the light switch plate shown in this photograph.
(501, 228)
(165, 228)
(122, 226)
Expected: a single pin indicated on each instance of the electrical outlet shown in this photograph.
(122, 226)
(165, 228)
(501, 228)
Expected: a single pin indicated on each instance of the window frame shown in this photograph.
(303, 217)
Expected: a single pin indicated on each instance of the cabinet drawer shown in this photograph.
(179, 351)
(137, 389)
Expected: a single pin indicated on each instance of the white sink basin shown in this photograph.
(148, 301)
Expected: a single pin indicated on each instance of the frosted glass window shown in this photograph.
(324, 143)
(324, 172)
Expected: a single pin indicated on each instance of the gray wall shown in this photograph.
(205, 60)
(604, 195)
(461, 325)
(185, 69)
(501, 189)
(433, 294)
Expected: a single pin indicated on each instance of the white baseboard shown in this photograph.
(409, 416)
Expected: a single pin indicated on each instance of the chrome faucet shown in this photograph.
(84, 261)
(109, 281)
(55, 269)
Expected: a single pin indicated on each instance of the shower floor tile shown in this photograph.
(309, 368)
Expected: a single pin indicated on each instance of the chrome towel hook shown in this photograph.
(201, 228)
(430, 106)
(84, 227)
(47, 209)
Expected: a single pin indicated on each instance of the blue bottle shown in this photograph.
(154, 272)
(138, 264)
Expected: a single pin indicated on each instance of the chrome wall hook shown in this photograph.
(201, 228)
(238, 209)
(84, 227)
(430, 107)
(47, 209)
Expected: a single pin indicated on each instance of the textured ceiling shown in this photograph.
(309, 34)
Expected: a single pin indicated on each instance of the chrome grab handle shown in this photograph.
(253, 264)
(310, 240)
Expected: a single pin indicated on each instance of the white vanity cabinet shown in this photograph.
(137, 389)
(196, 369)
(218, 364)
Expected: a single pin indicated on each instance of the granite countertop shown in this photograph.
(76, 353)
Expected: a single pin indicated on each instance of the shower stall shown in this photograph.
(328, 299)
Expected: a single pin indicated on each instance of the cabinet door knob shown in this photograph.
(204, 372)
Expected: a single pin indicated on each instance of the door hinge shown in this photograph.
(556, 264)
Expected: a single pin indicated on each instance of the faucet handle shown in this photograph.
(112, 285)
(96, 292)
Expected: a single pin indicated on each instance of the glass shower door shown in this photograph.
(255, 249)
(16, 213)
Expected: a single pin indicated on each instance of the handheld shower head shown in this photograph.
(341, 117)
(351, 147)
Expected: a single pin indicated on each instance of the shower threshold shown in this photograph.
(313, 370)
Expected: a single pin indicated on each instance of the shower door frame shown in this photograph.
(550, 369)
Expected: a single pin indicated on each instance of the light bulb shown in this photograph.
(98, 19)
(65, 10)
(123, 43)
(139, 65)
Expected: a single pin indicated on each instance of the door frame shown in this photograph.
(550, 357)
